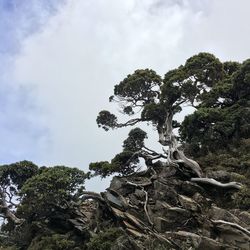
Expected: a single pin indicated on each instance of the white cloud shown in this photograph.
(74, 62)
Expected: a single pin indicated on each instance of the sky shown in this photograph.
(61, 58)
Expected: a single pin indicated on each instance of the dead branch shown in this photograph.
(211, 181)
(141, 186)
(145, 208)
(234, 225)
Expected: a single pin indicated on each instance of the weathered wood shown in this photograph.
(213, 182)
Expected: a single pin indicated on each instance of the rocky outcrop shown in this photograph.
(162, 208)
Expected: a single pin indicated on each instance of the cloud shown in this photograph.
(71, 65)
(19, 131)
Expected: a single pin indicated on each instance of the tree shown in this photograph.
(52, 189)
(37, 203)
(12, 179)
(222, 119)
(213, 88)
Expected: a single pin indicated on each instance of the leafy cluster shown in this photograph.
(223, 118)
(43, 198)
(51, 189)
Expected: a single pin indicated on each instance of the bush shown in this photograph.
(104, 240)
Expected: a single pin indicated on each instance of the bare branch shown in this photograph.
(234, 225)
(141, 186)
(129, 122)
(146, 209)
(210, 181)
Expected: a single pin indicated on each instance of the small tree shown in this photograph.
(36, 202)
(12, 179)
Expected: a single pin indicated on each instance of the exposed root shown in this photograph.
(145, 208)
(141, 186)
(210, 181)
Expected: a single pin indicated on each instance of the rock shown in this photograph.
(190, 188)
(133, 199)
(135, 221)
(118, 213)
(161, 224)
(115, 200)
(168, 172)
(163, 207)
(233, 237)
(165, 192)
(245, 216)
(116, 183)
(217, 213)
(139, 194)
(188, 203)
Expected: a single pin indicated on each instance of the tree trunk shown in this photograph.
(167, 138)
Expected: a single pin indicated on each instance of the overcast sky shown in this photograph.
(61, 58)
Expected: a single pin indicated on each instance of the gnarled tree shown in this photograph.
(203, 82)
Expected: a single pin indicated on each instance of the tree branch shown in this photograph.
(129, 123)
(5, 210)
(146, 209)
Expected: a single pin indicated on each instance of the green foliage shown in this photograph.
(211, 129)
(106, 120)
(17, 173)
(242, 198)
(154, 112)
(138, 87)
(135, 140)
(104, 240)
(220, 93)
(54, 242)
(205, 68)
(123, 163)
(47, 198)
(50, 189)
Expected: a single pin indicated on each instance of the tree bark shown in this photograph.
(167, 138)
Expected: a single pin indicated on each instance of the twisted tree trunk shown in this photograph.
(175, 155)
